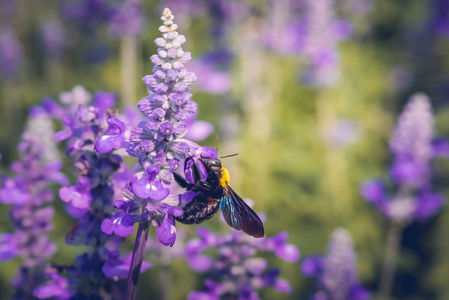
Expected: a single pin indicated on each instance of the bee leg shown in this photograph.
(204, 186)
(182, 182)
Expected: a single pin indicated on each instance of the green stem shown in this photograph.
(390, 262)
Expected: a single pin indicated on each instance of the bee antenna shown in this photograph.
(235, 154)
(216, 137)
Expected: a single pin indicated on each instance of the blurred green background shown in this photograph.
(304, 183)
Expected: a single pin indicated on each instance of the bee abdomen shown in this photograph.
(199, 210)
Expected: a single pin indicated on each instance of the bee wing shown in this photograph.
(239, 215)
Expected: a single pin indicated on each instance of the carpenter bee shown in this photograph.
(214, 193)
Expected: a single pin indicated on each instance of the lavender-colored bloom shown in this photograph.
(127, 20)
(290, 42)
(117, 267)
(440, 20)
(87, 12)
(90, 200)
(336, 273)
(56, 286)
(315, 37)
(323, 33)
(52, 35)
(341, 133)
(28, 192)
(211, 73)
(198, 130)
(157, 142)
(236, 272)
(10, 53)
(413, 145)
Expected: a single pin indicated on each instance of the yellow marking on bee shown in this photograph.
(225, 178)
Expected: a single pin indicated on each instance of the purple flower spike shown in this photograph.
(336, 273)
(27, 192)
(158, 142)
(414, 146)
(100, 179)
(10, 54)
(127, 20)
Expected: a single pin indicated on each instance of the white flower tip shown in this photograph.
(166, 13)
(167, 18)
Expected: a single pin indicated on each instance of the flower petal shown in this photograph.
(167, 231)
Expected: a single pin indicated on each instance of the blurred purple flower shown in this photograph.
(52, 34)
(315, 37)
(88, 13)
(336, 273)
(323, 32)
(211, 72)
(55, 286)
(290, 42)
(198, 130)
(27, 192)
(439, 17)
(341, 132)
(117, 267)
(237, 272)
(413, 145)
(127, 19)
(10, 53)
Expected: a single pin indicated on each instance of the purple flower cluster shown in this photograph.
(439, 17)
(211, 72)
(127, 20)
(87, 12)
(315, 37)
(10, 53)
(336, 272)
(90, 200)
(158, 142)
(52, 35)
(323, 32)
(237, 273)
(28, 192)
(413, 145)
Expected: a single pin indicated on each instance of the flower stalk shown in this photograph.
(389, 265)
(136, 263)
(158, 143)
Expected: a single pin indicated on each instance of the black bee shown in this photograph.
(215, 193)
